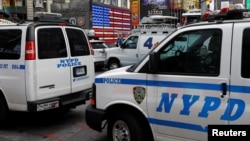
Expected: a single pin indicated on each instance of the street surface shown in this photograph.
(51, 126)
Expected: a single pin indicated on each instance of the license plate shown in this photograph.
(80, 71)
(46, 106)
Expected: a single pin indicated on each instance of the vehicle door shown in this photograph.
(53, 65)
(187, 92)
(81, 60)
(129, 50)
(240, 81)
(61, 70)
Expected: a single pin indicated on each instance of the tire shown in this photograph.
(113, 64)
(125, 127)
(4, 112)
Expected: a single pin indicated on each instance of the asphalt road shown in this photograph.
(51, 126)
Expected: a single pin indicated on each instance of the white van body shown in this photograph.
(52, 68)
(139, 43)
(175, 92)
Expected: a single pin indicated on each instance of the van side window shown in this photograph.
(192, 53)
(131, 42)
(10, 44)
(245, 57)
(51, 43)
(78, 44)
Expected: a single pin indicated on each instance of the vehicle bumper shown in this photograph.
(94, 118)
(65, 101)
(99, 64)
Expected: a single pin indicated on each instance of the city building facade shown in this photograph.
(109, 18)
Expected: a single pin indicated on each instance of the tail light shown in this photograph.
(93, 96)
(30, 52)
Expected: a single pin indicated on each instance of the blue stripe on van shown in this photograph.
(22, 67)
(177, 124)
(189, 85)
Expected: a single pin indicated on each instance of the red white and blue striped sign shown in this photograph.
(109, 22)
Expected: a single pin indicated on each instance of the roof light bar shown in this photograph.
(226, 14)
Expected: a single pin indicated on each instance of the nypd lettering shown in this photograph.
(69, 63)
(235, 106)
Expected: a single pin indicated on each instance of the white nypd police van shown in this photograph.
(176, 92)
(43, 65)
(134, 48)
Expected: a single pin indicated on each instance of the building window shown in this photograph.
(124, 3)
(106, 1)
(114, 2)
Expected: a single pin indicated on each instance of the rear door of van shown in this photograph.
(82, 68)
(53, 64)
(64, 62)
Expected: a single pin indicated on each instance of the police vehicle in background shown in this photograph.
(149, 32)
(176, 92)
(44, 64)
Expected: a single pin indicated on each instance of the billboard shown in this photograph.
(108, 22)
(153, 7)
(135, 12)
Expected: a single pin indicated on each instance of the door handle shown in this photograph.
(223, 89)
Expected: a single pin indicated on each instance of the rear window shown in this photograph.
(10, 43)
(51, 43)
(98, 45)
(78, 42)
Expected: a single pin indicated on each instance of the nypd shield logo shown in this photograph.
(139, 94)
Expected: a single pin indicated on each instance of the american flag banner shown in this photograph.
(108, 22)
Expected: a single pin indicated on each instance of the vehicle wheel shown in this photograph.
(125, 127)
(3, 112)
(113, 64)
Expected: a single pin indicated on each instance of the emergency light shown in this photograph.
(226, 14)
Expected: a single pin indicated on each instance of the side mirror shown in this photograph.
(153, 62)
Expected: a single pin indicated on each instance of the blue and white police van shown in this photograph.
(43, 66)
(198, 76)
